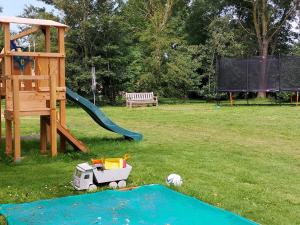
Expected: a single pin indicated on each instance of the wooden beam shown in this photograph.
(29, 77)
(0, 117)
(35, 54)
(8, 137)
(25, 32)
(1, 55)
(62, 83)
(16, 120)
(61, 40)
(25, 77)
(43, 134)
(46, 133)
(6, 29)
(7, 65)
(48, 124)
(53, 127)
(63, 89)
(37, 112)
(63, 123)
(47, 39)
(71, 139)
(29, 21)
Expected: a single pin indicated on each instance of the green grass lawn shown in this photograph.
(245, 159)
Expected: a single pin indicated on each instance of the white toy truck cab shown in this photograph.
(86, 177)
(83, 177)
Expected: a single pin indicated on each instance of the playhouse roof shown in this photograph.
(40, 22)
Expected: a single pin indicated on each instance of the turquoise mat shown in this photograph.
(151, 204)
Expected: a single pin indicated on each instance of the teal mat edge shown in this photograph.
(135, 189)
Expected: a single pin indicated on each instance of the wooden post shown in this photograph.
(291, 98)
(16, 119)
(48, 125)
(1, 90)
(7, 71)
(43, 134)
(297, 98)
(53, 132)
(62, 116)
(8, 137)
(61, 82)
(231, 99)
(47, 39)
(0, 116)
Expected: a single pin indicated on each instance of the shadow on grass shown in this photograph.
(96, 145)
(171, 101)
(257, 104)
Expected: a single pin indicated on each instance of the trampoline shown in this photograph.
(255, 74)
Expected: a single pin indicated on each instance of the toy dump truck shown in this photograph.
(87, 176)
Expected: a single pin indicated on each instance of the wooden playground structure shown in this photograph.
(33, 84)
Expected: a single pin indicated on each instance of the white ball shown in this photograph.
(174, 179)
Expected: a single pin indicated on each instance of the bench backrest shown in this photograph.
(139, 96)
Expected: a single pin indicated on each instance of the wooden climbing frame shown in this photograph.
(37, 90)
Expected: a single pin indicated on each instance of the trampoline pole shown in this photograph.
(279, 98)
(231, 99)
(218, 99)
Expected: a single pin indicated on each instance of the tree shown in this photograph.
(97, 37)
(297, 50)
(222, 41)
(36, 40)
(168, 46)
(201, 14)
(268, 17)
(160, 55)
(269, 24)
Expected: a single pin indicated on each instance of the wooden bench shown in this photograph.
(141, 99)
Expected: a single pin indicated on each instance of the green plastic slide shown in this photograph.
(100, 118)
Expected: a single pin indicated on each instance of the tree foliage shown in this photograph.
(269, 21)
(166, 46)
(97, 38)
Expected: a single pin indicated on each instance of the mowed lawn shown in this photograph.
(245, 159)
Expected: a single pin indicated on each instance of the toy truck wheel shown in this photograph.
(92, 187)
(113, 185)
(122, 184)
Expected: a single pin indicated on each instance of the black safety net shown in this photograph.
(257, 74)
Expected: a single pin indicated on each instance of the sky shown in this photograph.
(15, 7)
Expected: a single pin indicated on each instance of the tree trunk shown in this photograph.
(263, 69)
(266, 33)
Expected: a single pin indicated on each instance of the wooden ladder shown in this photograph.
(62, 131)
